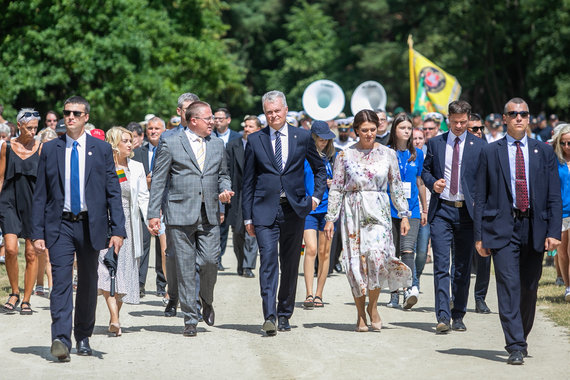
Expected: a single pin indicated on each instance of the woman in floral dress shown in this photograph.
(358, 195)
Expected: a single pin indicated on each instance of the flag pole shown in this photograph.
(412, 76)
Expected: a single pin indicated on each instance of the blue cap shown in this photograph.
(321, 129)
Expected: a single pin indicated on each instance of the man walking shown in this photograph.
(275, 205)
(195, 164)
(77, 197)
(518, 216)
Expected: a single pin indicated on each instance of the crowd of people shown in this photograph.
(368, 195)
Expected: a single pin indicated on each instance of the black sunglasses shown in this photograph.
(565, 143)
(75, 113)
(477, 129)
(513, 114)
(29, 114)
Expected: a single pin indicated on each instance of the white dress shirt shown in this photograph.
(151, 153)
(81, 151)
(225, 136)
(284, 131)
(450, 144)
(512, 149)
(195, 142)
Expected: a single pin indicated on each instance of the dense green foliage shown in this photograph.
(132, 57)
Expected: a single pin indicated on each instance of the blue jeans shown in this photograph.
(421, 252)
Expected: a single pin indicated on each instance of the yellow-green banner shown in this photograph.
(440, 87)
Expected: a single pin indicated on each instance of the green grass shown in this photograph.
(551, 298)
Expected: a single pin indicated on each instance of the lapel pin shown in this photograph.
(536, 151)
(90, 153)
(294, 136)
(470, 142)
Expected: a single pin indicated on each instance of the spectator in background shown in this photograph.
(173, 122)
(137, 132)
(18, 169)
(430, 129)
(476, 126)
(5, 133)
(383, 133)
(343, 140)
(416, 119)
(14, 131)
(544, 131)
(51, 120)
(60, 127)
(495, 128)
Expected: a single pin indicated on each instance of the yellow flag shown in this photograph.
(441, 88)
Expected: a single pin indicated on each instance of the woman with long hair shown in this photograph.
(314, 235)
(410, 163)
(358, 195)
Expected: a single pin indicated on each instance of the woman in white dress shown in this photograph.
(134, 195)
(358, 195)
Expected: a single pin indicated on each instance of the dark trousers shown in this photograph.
(245, 248)
(483, 273)
(518, 268)
(143, 266)
(73, 238)
(280, 246)
(451, 231)
(336, 247)
(224, 231)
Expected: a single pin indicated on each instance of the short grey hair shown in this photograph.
(272, 96)
(157, 119)
(187, 96)
(4, 128)
(26, 120)
(514, 101)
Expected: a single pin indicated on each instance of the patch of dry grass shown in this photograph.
(552, 296)
(5, 288)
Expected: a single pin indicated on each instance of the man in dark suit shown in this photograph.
(245, 246)
(77, 189)
(222, 120)
(518, 216)
(449, 173)
(145, 155)
(275, 205)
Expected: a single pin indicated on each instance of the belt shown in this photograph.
(283, 200)
(518, 214)
(456, 204)
(71, 217)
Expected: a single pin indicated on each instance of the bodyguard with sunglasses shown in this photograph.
(518, 216)
(77, 198)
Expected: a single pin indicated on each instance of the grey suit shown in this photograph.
(191, 213)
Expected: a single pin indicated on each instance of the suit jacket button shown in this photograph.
(199, 193)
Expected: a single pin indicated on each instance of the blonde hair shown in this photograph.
(563, 129)
(329, 150)
(46, 134)
(114, 137)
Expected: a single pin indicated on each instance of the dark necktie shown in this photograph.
(74, 180)
(454, 187)
(152, 157)
(520, 180)
(278, 154)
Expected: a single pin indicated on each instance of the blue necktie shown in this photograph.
(74, 182)
(278, 155)
(152, 159)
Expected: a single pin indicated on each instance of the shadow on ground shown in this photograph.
(496, 356)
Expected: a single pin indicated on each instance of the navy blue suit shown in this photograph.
(85, 238)
(517, 243)
(451, 228)
(276, 221)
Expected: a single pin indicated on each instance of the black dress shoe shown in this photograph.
(170, 310)
(83, 348)
(284, 324)
(248, 273)
(338, 268)
(516, 358)
(221, 267)
(240, 272)
(442, 327)
(458, 325)
(481, 307)
(190, 330)
(208, 313)
(269, 327)
(142, 292)
(60, 351)
(161, 293)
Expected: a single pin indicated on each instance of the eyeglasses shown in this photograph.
(220, 118)
(565, 143)
(477, 129)
(75, 113)
(206, 119)
(513, 114)
(29, 114)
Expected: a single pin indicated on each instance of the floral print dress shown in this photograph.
(358, 195)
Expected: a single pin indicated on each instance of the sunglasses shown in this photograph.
(513, 114)
(565, 143)
(29, 114)
(477, 129)
(75, 113)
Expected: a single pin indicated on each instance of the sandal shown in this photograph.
(318, 303)
(26, 309)
(309, 303)
(10, 308)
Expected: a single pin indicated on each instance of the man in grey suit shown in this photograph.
(194, 163)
